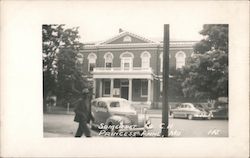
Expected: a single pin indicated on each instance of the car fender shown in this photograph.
(116, 119)
(142, 120)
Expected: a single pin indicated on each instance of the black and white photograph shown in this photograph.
(114, 88)
(124, 78)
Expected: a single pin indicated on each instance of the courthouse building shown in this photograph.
(130, 66)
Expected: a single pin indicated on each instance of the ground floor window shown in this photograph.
(144, 88)
(106, 87)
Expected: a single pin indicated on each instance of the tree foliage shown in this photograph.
(60, 49)
(205, 75)
(51, 42)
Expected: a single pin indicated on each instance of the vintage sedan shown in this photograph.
(118, 115)
(220, 112)
(191, 111)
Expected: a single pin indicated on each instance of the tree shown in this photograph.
(174, 85)
(51, 40)
(60, 47)
(206, 74)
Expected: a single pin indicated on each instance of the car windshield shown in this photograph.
(119, 104)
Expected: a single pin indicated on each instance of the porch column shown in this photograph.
(100, 88)
(130, 89)
(111, 87)
(94, 88)
(149, 90)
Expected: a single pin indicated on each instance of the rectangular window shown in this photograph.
(107, 88)
(108, 65)
(180, 64)
(144, 88)
(126, 66)
(145, 63)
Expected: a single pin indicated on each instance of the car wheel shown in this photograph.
(190, 117)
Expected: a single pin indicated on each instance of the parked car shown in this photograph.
(191, 111)
(118, 115)
(220, 111)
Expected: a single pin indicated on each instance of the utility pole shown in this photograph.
(165, 108)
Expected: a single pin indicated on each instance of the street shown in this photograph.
(61, 125)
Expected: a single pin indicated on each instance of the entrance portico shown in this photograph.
(134, 85)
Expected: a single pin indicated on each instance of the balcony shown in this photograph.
(119, 72)
(120, 69)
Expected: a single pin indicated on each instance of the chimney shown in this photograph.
(120, 30)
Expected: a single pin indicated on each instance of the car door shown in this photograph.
(103, 112)
(189, 110)
(183, 111)
(94, 110)
(178, 111)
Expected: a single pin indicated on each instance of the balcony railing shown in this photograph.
(120, 69)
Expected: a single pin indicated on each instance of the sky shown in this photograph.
(101, 22)
(155, 32)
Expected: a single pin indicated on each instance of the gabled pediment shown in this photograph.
(126, 38)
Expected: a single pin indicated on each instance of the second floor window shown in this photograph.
(145, 59)
(91, 66)
(108, 59)
(126, 61)
(180, 59)
(92, 62)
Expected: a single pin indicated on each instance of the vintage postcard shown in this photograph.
(125, 79)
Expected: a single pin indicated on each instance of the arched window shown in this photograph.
(127, 39)
(145, 59)
(92, 61)
(127, 60)
(108, 59)
(180, 59)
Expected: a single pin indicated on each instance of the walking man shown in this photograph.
(83, 114)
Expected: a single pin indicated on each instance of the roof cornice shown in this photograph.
(173, 44)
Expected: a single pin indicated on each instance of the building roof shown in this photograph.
(136, 41)
(124, 33)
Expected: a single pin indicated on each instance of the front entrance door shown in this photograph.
(124, 92)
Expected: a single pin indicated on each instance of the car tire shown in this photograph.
(190, 117)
